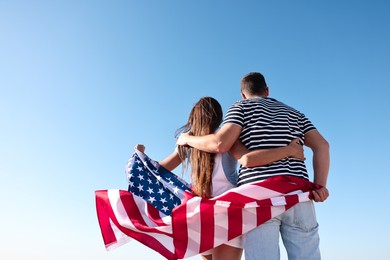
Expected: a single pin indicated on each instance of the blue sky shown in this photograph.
(83, 81)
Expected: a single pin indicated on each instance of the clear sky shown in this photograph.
(81, 82)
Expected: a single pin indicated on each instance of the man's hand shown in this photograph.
(320, 195)
(182, 140)
(296, 149)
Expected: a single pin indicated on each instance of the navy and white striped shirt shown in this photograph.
(267, 123)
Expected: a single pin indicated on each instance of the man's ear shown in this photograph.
(267, 92)
(243, 95)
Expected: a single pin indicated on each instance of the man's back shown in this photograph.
(267, 123)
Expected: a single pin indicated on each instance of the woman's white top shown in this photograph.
(224, 173)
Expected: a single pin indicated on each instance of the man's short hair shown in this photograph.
(254, 84)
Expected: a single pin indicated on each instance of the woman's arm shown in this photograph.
(170, 162)
(261, 157)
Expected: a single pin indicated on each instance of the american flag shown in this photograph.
(155, 184)
(197, 224)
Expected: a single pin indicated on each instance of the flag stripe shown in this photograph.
(102, 208)
(207, 226)
(221, 223)
(249, 219)
(193, 227)
(234, 217)
(291, 200)
(263, 213)
(156, 216)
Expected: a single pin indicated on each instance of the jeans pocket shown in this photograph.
(305, 216)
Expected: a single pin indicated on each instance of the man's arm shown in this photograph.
(321, 162)
(219, 142)
(261, 157)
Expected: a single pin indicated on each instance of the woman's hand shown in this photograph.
(140, 147)
(296, 149)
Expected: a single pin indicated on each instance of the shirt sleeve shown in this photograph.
(235, 115)
(306, 124)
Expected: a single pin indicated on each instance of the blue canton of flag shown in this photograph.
(155, 184)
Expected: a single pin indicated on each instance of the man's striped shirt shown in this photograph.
(267, 123)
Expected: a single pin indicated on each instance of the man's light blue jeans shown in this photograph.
(299, 230)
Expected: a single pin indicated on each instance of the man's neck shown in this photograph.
(256, 96)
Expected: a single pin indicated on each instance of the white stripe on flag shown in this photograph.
(249, 219)
(278, 201)
(220, 224)
(304, 197)
(257, 192)
(276, 211)
(121, 238)
(193, 228)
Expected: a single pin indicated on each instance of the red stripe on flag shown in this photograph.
(207, 225)
(102, 203)
(287, 184)
(263, 212)
(179, 228)
(154, 215)
(291, 201)
(234, 222)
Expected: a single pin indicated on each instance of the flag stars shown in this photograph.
(170, 181)
(155, 185)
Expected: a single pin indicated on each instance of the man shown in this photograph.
(260, 122)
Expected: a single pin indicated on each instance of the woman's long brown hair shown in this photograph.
(204, 119)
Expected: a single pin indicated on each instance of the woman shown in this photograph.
(213, 174)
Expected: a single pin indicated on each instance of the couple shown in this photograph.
(263, 135)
